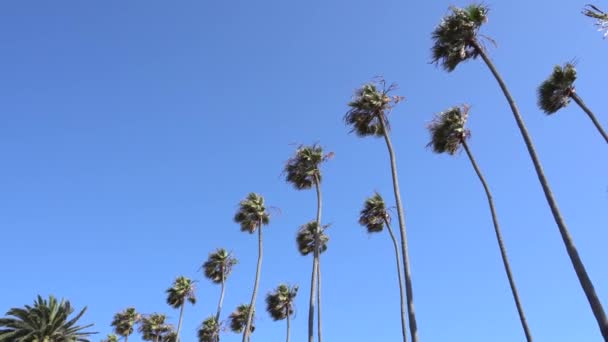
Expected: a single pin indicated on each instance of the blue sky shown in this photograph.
(129, 131)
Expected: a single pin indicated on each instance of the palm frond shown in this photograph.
(448, 130)
(252, 213)
(280, 302)
(554, 93)
(305, 238)
(302, 170)
(369, 108)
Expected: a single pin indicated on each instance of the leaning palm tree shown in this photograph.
(46, 320)
(303, 172)
(217, 268)
(111, 338)
(455, 41)
(600, 16)
(124, 322)
(154, 327)
(251, 216)
(242, 318)
(557, 90)
(182, 290)
(280, 304)
(374, 217)
(367, 116)
(209, 330)
(449, 135)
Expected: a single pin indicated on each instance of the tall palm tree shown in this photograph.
(124, 322)
(46, 320)
(557, 90)
(303, 172)
(449, 135)
(182, 290)
(600, 16)
(154, 327)
(251, 216)
(242, 318)
(455, 41)
(209, 330)
(110, 338)
(374, 217)
(217, 268)
(367, 116)
(280, 304)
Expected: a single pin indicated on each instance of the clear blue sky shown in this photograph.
(129, 131)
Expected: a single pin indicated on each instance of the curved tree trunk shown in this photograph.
(577, 263)
(288, 325)
(404, 251)
(181, 316)
(319, 329)
(400, 276)
(501, 245)
(247, 331)
(318, 256)
(315, 267)
(219, 304)
(586, 109)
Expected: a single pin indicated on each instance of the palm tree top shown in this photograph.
(455, 35)
(448, 130)
(305, 238)
(238, 318)
(370, 104)
(219, 265)
(110, 338)
(251, 211)
(302, 170)
(554, 93)
(600, 16)
(279, 303)
(153, 326)
(125, 321)
(183, 289)
(374, 214)
(209, 330)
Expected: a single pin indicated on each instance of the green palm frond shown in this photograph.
(124, 322)
(183, 289)
(302, 170)
(369, 107)
(448, 130)
(209, 330)
(554, 93)
(374, 214)
(251, 212)
(154, 326)
(238, 318)
(305, 238)
(110, 338)
(280, 302)
(219, 265)
(600, 16)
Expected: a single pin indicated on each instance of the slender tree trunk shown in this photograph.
(584, 107)
(317, 253)
(311, 307)
(181, 316)
(126, 338)
(577, 263)
(288, 325)
(400, 276)
(319, 330)
(404, 249)
(501, 245)
(219, 305)
(247, 332)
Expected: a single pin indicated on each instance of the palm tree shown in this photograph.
(557, 90)
(600, 16)
(280, 303)
(154, 328)
(374, 217)
(124, 322)
(46, 320)
(302, 171)
(251, 216)
(455, 41)
(217, 268)
(368, 117)
(209, 330)
(241, 318)
(182, 290)
(111, 338)
(449, 135)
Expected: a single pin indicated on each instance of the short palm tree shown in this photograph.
(124, 322)
(241, 318)
(217, 268)
(449, 135)
(374, 217)
(280, 304)
(600, 16)
(303, 172)
(46, 320)
(455, 41)
(557, 90)
(154, 327)
(209, 330)
(182, 290)
(368, 116)
(252, 216)
(110, 338)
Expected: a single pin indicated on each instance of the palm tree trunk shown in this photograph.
(311, 307)
(404, 252)
(317, 254)
(501, 245)
(577, 263)
(126, 338)
(181, 315)
(401, 290)
(247, 332)
(584, 107)
(319, 330)
(219, 305)
(288, 325)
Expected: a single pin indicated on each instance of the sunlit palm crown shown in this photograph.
(219, 265)
(47, 320)
(251, 212)
(209, 330)
(110, 338)
(153, 326)
(280, 303)
(306, 238)
(454, 36)
(238, 318)
(182, 290)
(370, 104)
(448, 130)
(302, 168)
(374, 214)
(554, 93)
(124, 322)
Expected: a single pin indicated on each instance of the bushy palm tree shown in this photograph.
(182, 290)
(217, 268)
(241, 318)
(252, 216)
(600, 16)
(111, 338)
(280, 304)
(449, 135)
(374, 217)
(154, 328)
(303, 172)
(209, 330)
(46, 320)
(557, 90)
(307, 238)
(455, 41)
(368, 116)
(124, 322)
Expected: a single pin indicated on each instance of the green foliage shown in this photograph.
(455, 36)
(374, 214)
(302, 170)
(554, 93)
(219, 265)
(280, 302)
(110, 338)
(305, 238)
(600, 16)
(238, 318)
(252, 213)
(46, 320)
(124, 322)
(448, 130)
(183, 289)
(369, 107)
(154, 326)
(209, 330)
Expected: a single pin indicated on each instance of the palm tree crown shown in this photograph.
(448, 131)
(124, 322)
(219, 265)
(238, 318)
(110, 338)
(456, 36)
(369, 105)
(182, 290)
(554, 93)
(302, 170)
(306, 238)
(251, 213)
(209, 330)
(600, 16)
(47, 320)
(154, 327)
(280, 302)
(374, 214)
